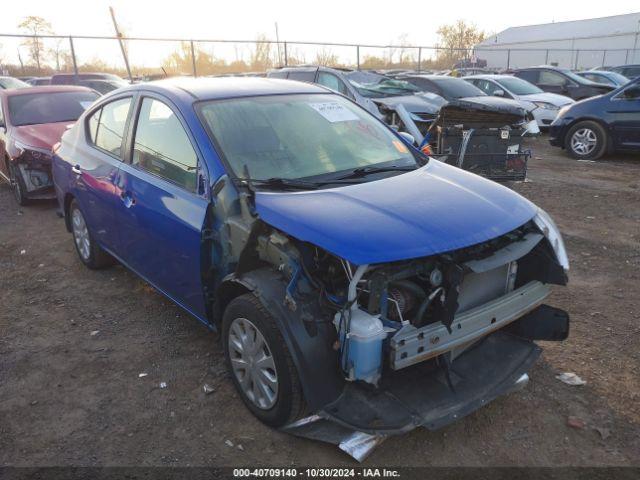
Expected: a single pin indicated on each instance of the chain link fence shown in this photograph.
(24, 55)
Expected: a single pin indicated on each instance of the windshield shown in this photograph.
(300, 136)
(518, 86)
(9, 82)
(372, 85)
(618, 78)
(577, 78)
(37, 108)
(456, 87)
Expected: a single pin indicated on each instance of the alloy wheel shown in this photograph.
(81, 234)
(252, 363)
(584, 141)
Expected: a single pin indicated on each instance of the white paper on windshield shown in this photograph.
(86, 105)
(334, 112)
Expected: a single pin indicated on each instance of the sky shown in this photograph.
(368, 22)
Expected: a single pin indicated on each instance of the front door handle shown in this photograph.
(127, 199)
(76, 169)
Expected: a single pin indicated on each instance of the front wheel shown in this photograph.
(260, 362)
(17, 185)
(586, 141)
(90, 253)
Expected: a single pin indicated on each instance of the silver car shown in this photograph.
(544, 106)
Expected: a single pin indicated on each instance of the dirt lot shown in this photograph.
(73, 343)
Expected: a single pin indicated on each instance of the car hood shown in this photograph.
(552, 98)
(419, 103)
(43, 136)
(434, 209)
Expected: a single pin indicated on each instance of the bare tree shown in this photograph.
(261, 57)
(457, 40)
(35, 26)
(326, 58)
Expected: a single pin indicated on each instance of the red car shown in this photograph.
(32, 120)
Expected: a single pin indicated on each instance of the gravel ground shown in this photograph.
(74, 342)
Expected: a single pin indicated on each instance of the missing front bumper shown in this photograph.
(420, 396)
(414, 345)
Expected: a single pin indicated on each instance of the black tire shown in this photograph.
(289, 401)
(588, 131)
(94, 257)
(17, 185)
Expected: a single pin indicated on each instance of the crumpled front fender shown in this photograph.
(307, 331)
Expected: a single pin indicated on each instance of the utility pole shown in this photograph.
(124, 51)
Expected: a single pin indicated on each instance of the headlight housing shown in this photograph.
(546, 105)
(550, 230)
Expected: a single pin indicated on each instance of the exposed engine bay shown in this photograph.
(387, 347)
(391, 316)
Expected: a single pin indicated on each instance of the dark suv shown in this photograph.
(562, 81)
(629, 71)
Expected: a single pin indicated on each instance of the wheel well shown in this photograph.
(226, 292)
(68, 198)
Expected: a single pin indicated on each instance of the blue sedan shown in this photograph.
(347, 272)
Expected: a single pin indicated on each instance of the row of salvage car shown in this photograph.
(447, 117)
(361, 288)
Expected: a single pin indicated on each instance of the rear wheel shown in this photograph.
(90, 253)
(17, 185)
(586, 140)
(261, 366)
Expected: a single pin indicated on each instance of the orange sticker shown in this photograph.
(400, 146)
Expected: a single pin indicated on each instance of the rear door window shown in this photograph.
(162, 147)
(529, 75)
(107, 126)
(548, 77)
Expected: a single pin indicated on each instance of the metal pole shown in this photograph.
(508, 58)
(604, 57)
(626, 57)
(124, 51)
(73, 56)
(419, 58)
(575, 65)
(286, 57)
(358, 56)
(193, 59)
(546, 58)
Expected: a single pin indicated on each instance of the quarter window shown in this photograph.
(162, 147)
(106, 126)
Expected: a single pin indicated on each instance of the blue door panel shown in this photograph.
(159, 234)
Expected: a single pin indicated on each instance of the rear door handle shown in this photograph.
(76, 169)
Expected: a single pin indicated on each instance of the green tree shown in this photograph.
(35, 26)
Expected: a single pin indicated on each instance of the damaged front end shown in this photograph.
(30, 170)
(383, 348)
(478, 136)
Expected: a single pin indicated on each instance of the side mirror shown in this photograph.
(498, 93)
(408, 137)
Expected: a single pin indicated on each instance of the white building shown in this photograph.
(607, 41)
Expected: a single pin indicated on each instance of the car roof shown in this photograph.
(489, 76)
(44, 89)
(542, 67)
(206, 88)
